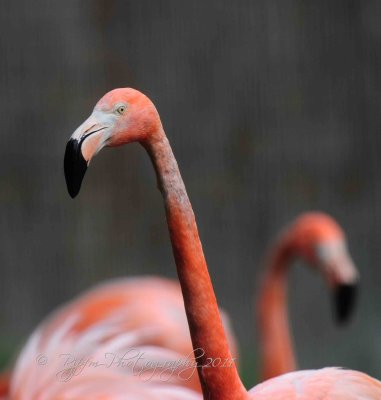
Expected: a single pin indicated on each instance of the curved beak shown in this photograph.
(75, 167)
(342, 275)
(85, 142)
(344, 301)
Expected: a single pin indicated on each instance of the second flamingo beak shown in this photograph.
(345, 297)
(341, 274)
(85, 142)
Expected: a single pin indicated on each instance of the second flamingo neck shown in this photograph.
(207, 332)
(277, 353)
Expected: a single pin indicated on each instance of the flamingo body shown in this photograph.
(122, 318)
(322, 384)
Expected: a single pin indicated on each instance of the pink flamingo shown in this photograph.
(132, 316)
(317, 238)
(123, 116)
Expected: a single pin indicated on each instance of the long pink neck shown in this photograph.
(277, 354)
(207, 333)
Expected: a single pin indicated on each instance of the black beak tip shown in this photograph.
(75, 167)
(345, 297)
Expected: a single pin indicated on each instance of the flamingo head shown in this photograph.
(121, 116)
(320, 241)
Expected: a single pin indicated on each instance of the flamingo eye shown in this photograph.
(120, 109)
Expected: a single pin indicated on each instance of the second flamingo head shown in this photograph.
(318, 239)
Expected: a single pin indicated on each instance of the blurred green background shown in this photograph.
(272, 108)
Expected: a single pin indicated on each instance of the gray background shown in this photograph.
(272, 108)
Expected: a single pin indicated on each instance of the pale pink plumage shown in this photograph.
(321, 384)
(145, 314)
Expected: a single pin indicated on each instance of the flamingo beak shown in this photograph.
(85, 142)
(341, 274)
(344, 299)
(75, 167)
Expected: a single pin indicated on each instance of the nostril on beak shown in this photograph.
(89, 129)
